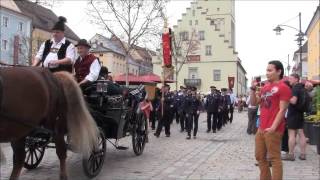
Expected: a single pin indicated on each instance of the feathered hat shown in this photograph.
(60, 24)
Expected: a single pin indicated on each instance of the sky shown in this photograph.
(256, 42)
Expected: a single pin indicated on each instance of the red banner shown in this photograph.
(231, 82)
(166, 46)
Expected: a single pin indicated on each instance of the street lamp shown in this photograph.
(300, 38)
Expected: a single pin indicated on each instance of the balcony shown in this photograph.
(192, 82)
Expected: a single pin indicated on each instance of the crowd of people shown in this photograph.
(276, 116)
(275, 108)
(185, 105)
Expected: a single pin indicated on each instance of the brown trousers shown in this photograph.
(269, 144)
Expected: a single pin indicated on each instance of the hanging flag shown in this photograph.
(166, 46)
(231, 82)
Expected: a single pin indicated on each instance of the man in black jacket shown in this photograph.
(211, 105)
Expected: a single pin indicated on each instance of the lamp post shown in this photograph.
(300, 38)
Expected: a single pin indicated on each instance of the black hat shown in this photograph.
(104, 71)
(60, 24)
(224, 89)
(83, 42)
(193, 89)
(212, 87)
(182, 87)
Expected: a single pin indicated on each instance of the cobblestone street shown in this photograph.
(228, 154)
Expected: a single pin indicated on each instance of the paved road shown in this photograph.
(228, 154)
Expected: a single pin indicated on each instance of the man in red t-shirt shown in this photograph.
(273, 100)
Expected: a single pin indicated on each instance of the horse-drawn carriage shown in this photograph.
(117, 116)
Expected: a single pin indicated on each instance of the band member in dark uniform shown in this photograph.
(164, 114)
(57, 54)
(176, 103)
(195, 106)
(225, 102)
(181, 107)
(212, 105)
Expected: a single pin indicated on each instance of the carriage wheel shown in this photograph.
(93, 165)
(139, 134)
(34, 156)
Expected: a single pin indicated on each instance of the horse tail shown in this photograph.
(2, 156)
(82, 128)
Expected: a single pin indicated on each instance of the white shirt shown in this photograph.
(70, 52)
(249, 104)
(94, 70)
(233, 98)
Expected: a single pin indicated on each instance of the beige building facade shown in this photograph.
(205, 47)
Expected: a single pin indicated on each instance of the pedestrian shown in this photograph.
(176, 103)
(224, 104)
(234, 101)
(164, 112)
(212, 105)
(58, 53)
(196, 107)
(188, 112)
(273, 99)
(240, 104)
(156, 106)
(252, 116)
(181, 107)
(146, 108)
(295, 119)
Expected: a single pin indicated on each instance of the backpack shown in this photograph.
(303, 101)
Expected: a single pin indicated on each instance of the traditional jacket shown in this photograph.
(82, 66)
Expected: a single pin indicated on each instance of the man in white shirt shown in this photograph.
(87, 66)
(57, 54)
(234, 100)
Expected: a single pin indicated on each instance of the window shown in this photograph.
(184, 36)
(5, 21)
(218, 9)
(20, 26)
(201, 35)
(217, 75)
(211, 22)
(101, 55)
(193, 12)
(196, 22)
(208, 50)
(193, 72)
(4, 44)
(190, 22)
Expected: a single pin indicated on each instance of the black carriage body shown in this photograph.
(114, 114)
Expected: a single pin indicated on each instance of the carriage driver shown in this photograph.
(87, 66)
(57, 54)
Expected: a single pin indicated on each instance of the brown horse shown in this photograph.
(31, 97)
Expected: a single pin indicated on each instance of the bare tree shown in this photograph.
(130, 22)
(183, 47)
(22, 46)
(47, 3)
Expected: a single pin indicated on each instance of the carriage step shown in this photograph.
(122, 148)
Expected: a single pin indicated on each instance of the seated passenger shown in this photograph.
(87, 66)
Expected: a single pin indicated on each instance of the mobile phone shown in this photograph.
(258, 79)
